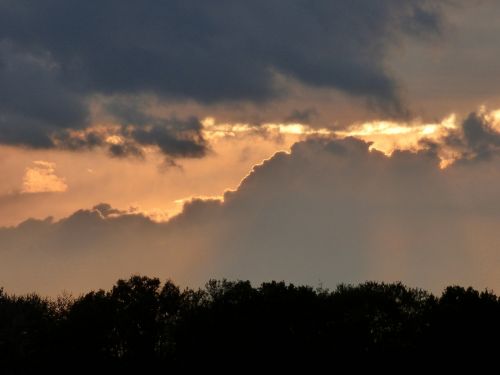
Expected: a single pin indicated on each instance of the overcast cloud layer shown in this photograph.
(56, 55)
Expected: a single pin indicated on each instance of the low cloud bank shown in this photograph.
(329, 211)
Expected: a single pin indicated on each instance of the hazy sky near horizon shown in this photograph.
(311, 141)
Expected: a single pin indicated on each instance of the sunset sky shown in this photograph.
(315, 142)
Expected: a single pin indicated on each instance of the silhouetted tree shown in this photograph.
(27, 326)
(141, 325)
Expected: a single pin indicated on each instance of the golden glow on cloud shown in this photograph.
(157, 215)
(114, 140)
(492, 117)
(213, 130)
(41, 178)
(143, 185)
(386, 136)
(183, 201)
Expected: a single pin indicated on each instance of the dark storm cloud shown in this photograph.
(330, 211)
(33, 101)
(173, 136)
(64, 139)
(304, 116)
(477, 140)
(125, 149)
(220, 49)
(56, 54)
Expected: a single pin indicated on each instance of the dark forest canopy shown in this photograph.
(142, 324)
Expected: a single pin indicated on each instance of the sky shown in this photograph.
(317, 142)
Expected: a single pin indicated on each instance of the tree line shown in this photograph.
(142, 324)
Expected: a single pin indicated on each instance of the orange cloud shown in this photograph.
(41, 178)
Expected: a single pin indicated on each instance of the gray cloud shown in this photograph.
(56, 54)
(477, 139)
(174, 137)
(34, 102)
(330, 211)
(64, 139)
(304, 116)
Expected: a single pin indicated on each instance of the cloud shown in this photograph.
(173, 137)
(473, 138)
(56, 56)
(176, 138)
(41, 178)
(478, 138)
(304, 116)
(329, 211)
(221, 50)
(34, 101)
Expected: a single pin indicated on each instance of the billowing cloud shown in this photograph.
(41, 178)
(57, 56)
(329, 211)
(475, 137)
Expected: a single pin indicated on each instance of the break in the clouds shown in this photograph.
(56, 56)
(329, 211)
